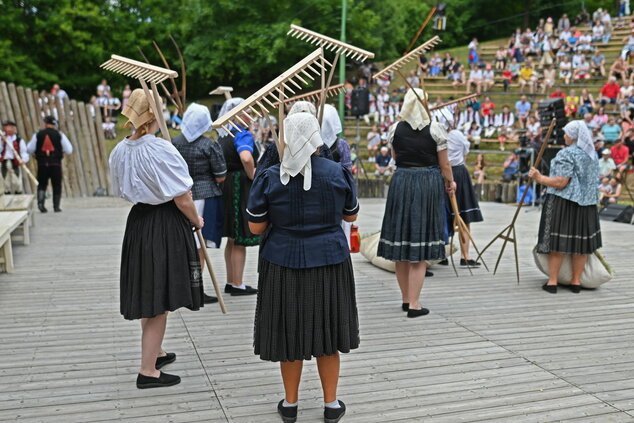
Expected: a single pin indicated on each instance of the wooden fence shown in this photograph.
(86, 170)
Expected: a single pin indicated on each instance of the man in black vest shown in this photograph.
(49, 146)
(9, 163)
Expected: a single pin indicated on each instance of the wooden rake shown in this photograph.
(508, 233)
(315, 96)
(460, 100)
(16, 155)
(463, 231)
(330, 44)
(274, 95)
(222, 90)
(145, 73)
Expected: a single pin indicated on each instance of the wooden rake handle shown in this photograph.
(20, 161)
(214, 281)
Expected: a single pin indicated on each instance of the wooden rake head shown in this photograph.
(315, 96)
(138, 70)
(222, 90)
(460, 101)
(328, 43)
(274, 93)
(414, 54)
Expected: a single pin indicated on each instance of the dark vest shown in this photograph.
(232, 157)
(16, 148)
(414, 148)
(48, 149)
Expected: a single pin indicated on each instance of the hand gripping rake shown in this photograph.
(508, 233)
(144, 73)
(331, 44)
(274, 95)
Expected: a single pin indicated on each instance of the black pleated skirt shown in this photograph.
(466, 198)
(160, 268)
(235, 194)
(566, 227)
(305, 313)
(413, 226)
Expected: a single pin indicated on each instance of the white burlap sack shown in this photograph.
(596, 273)
(369, 248)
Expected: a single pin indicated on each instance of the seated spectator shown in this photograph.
(511, 168)
(505, 119)
(601, 118)
(619, 70)
(585, 42)
(576, 59)
(524, 185)
(475, 78)
(109, 129)
(488, 80)
(479, 169)
(558, 93)
(515, 67)
(457, 76)
(423, 65)
(586, 101)
(507, 78)
(487, 108)
(611, 133)
(565, 70)
(435, 65)
(374, 139)
(504, 135)
(546, 52)
(447, 64)
(549, 78)
(597, 63)
(614, 193)
(629, 45)
(533, 130)
(582, 72)
(572, 104)
(620, 155)
(549, 26)
(587, 119)
(522, 109)
(474, 134)
(413, 80)
(467, 117)
(382, 164)
(526, 78)
(610, 91)
(599, 34)
(386, 113)
(500, 58)
(604, 186)
(564, 23)
(606, 164)
(103, 89)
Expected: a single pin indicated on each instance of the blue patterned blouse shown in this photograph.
(572, 162)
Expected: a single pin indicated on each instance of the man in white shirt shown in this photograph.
(475, 78)
(11, 165)
(49, 146)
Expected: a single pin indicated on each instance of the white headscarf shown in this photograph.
(330, 125)
(413, 112)
(303, 106)
(226, 108)
(196, 121)
(578, 130)
(301, 139)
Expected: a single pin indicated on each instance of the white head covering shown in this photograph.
(226, 108)
(578, 130)
(330, 125)
(196, 121)
(303, 106)
(301, 139)
(413, 112)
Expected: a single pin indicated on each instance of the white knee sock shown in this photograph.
(288, 404)
(334, 404)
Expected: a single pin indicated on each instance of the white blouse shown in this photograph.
(148, 170)
(458, 147)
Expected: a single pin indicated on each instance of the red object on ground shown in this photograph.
(355, 239)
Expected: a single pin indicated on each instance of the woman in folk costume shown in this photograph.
(241, 156)
(306, 303)
(160, 269)
(468, 206)
(208, 169)
(413, 227)
(570, 218)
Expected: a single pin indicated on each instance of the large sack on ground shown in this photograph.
(596, 273)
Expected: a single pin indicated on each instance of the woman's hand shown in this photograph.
(200, 223)
(450, 187)
(535, 174)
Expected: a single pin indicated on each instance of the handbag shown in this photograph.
(596, 273)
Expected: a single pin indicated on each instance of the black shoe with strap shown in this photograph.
(288, 414)
(209, 299)
(333, 415)
(575, 288)
(469, 263)
(411, 313)
(550, 288)
(164, 379)
(248, 290)
(166, 359)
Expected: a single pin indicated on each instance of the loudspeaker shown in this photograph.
(215, 110)
(617, 213)
(549, 109)
(549, 154)
(360, 101)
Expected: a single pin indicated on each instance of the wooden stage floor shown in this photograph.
(490, 351)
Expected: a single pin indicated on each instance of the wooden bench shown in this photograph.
(9, 223)
(20, 202)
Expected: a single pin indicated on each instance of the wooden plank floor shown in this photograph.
(490, 351)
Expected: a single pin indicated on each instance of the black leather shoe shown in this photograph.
(444, 262)
(333, 415)
(246, 291)
(550, 288)
(288, 414)
(166, 359)
(470, 263)
(208, 299)
(415, 313)
(144, 382)
(405, 306)
(228, 287)
(575, 288)
(428, 274)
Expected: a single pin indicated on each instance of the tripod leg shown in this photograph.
(491, 243)
(517, 264)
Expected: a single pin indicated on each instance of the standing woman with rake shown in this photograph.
(413, 229)
(160, 269)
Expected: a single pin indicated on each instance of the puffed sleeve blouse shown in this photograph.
(572, 162)
(148, 170)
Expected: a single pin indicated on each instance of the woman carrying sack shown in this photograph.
(570, 219)
(160, 270)
(306, 304)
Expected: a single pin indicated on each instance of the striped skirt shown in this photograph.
(566, 227)
(305, 313)
(413, 227)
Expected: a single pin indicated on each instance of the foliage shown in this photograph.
(237, 42)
